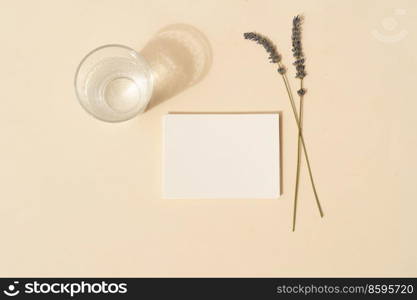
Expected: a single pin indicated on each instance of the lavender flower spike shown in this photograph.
(274, 56)
(297, 48)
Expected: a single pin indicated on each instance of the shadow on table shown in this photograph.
(180, 56)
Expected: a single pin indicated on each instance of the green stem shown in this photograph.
(299, 152)
(301, 136)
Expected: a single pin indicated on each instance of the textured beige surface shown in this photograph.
(80, 197)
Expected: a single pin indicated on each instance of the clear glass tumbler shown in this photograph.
(114, 83)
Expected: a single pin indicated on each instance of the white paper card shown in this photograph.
(209, 156)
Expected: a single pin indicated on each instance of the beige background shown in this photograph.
(80, 197)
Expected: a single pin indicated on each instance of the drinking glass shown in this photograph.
(114, 83)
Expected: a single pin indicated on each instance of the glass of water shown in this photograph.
(114, 83)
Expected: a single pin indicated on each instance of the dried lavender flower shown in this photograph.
(297, 47)
(301, 92)
(274, 56)
(281, 70)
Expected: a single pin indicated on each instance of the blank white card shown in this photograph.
(211, 156)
